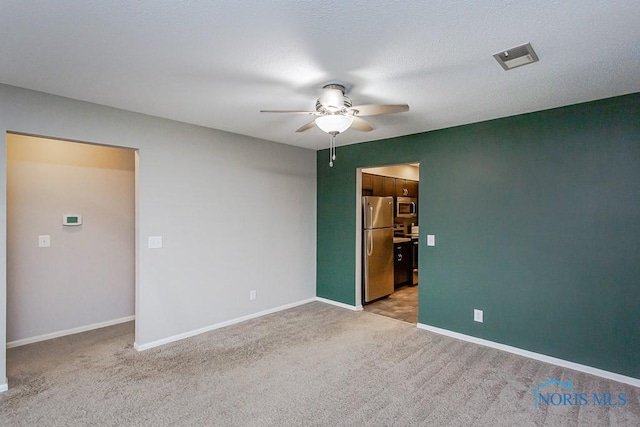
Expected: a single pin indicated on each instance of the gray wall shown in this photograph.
(86, 276)
(235, 213)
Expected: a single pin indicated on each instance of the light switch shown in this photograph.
(44, 241)
(155, 242)
(431, 240)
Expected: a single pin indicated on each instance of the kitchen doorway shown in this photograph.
(396, 291)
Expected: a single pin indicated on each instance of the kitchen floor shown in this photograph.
(401, 305)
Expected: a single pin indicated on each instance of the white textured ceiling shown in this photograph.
(217, 63)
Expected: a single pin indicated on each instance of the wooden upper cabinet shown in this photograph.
(401, 188)
(412, 188)
(406, 188)
(389, 186)
(367, 182)
(383, 186)
(378, 186)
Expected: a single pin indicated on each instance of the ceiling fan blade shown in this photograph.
(361, 124)
(307, 126)
(288, 111)
(376, 110)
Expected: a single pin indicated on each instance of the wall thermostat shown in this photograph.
(69, 219)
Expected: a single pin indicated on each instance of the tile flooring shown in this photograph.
(401, 305)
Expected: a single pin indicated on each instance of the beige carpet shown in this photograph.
(314, 365)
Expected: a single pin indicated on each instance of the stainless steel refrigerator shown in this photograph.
(377, 247)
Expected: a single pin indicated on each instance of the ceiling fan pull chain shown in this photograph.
(332, 148)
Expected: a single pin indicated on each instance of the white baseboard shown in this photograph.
(536, 356)
(58, 334)
(147, 346)
(340, 304)
(4, 386)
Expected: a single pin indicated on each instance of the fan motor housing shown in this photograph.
(346, 104)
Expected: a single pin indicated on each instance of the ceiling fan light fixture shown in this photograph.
(334, 123)
(335, 114)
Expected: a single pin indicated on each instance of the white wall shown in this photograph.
(87, 275)
(235, 213)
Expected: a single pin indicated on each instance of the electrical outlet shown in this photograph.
(252, 295)
(478, 315)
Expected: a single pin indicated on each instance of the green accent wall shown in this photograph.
(537, 222)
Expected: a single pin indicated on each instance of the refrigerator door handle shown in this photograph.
(369, 223)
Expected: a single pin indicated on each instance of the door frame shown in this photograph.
(358, 278)
(136, 231)
(358, 231)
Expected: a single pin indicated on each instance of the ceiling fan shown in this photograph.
(335, 114)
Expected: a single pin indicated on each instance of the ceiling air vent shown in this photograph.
(516, 57)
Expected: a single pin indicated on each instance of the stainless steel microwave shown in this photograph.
(406, 207)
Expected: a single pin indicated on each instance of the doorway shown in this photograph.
(401, 182)
(70, 237)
